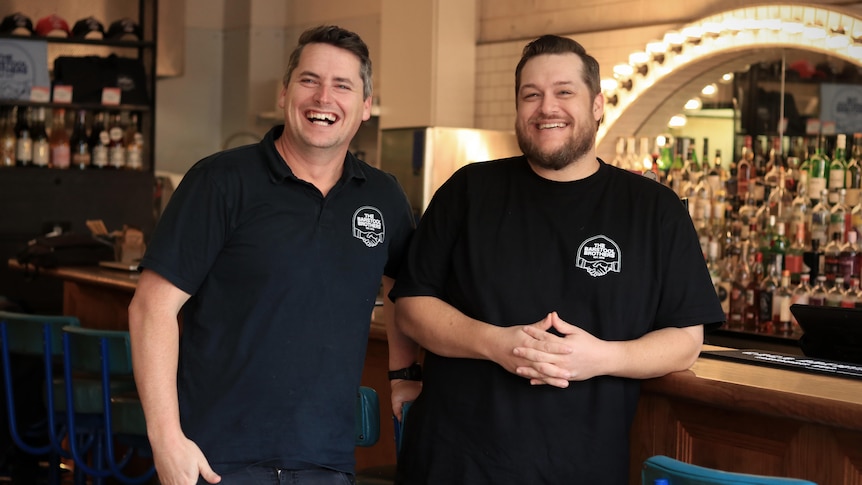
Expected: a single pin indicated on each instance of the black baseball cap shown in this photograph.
(16, 24)
(88, 28)
(124, 29)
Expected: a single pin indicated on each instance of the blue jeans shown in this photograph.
(267, 475)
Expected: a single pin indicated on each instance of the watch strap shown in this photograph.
(412, 373)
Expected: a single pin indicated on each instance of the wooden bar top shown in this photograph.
(94, 275)
(834, 401)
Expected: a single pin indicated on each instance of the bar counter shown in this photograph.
(722, 414)
(755, 419)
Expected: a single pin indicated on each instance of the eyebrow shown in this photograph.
(556, 84)
(344, 80)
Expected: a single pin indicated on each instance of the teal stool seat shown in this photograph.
(668, 471)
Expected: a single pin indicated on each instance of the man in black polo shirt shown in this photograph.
(543, 287)
(275, 253)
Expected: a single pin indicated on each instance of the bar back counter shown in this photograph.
(752, 412)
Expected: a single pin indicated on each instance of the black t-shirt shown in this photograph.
(615, 254)
(283, 281)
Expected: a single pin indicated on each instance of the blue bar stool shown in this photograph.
(38, 336)
(111, 416)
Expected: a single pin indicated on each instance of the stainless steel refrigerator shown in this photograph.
(423, 158)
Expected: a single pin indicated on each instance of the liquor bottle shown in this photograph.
(41, 146)
(116, 146)
(767, 290)
(59, 140)
(818, 172)
(837, 168)
(813, 258)
(774, 166)
(801, 294)
(751, 319)
(99, 140)
(819, 224)
(851, 295)
(632, 162)
(7, 137)
(620, 152)
(646, 161)
(781, 316)
(832, 259)
(79, 144)
(134, 141)
(849, 258)
(839, 216)
(853, 173)
(23, 138)
(794, 256)
(741, 280)
(744, 169)
(779, 243)
(722, 287)
(818, 293)
(780, 199)
(835, 294)
(799, 210)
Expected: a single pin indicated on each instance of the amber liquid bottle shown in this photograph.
(79, 144)
(59, 140)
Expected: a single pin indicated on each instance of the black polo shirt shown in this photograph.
(283, 281)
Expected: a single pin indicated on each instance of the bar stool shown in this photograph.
(38, 336)
(111, 416)
(663, 469)
(385, 474)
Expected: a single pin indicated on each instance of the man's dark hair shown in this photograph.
(554, 44)
(338, 37)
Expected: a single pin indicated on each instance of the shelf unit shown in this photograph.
(37, 199)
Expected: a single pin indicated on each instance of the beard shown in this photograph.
(555, 159)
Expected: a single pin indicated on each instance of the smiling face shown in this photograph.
(556, 114)
(323, 100)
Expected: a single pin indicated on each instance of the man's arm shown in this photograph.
(154, 331)
(446, 331)
(403, 352)
(654, 354)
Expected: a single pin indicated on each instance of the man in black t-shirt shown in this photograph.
(543, 288)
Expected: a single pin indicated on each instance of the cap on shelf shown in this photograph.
(124, 29)
(88, 28)
(52, 26)
(16, 24)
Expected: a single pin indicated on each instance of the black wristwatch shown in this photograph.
(412, 373)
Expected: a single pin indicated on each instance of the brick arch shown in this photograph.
(661, 93)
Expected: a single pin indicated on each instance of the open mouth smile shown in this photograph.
(323, 119)
(548, 126)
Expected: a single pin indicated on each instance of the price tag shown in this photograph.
(111, 96)
(40, 94)
(62, 94)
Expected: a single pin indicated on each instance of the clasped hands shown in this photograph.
(547, 358)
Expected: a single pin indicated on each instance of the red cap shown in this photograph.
(52, 26)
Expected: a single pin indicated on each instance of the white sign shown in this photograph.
(23, 66)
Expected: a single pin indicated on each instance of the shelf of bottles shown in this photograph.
(776, 228)
(71, 139)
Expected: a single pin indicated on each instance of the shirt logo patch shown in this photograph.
(599, 255)
(368, 226)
